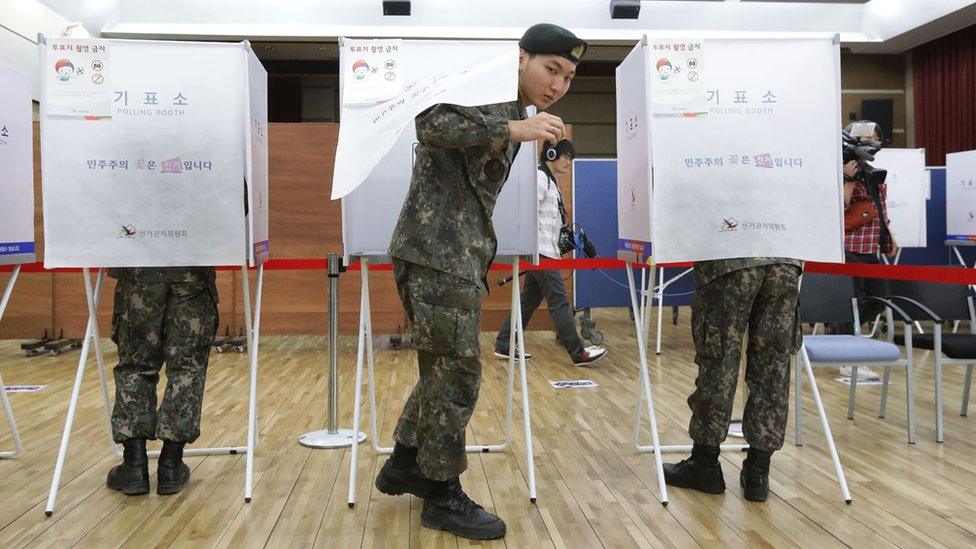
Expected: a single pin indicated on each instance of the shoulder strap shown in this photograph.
(559, 194)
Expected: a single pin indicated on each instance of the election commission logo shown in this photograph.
(729, 224)
(130, 231)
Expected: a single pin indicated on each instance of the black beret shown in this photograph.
(546, 38)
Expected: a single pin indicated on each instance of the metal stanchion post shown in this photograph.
(332, 436)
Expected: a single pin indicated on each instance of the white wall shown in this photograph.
(93, 14)
(20, 23)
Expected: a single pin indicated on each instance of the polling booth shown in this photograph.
(16, 197)
(960, 196)
(154, 154)
(908, 190)
(634, 176)
(385, 84)
(704, 172)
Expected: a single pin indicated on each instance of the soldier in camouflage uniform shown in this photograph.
(758, 295)
(161, 315)
(442, 248)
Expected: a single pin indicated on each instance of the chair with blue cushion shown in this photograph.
(830, 299)
(939, 303)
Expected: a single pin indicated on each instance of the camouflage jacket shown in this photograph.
(707, 271)
(167, 275)
(463, 160)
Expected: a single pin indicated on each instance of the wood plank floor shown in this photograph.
(593, 489)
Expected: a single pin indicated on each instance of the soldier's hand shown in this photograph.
(541, 126)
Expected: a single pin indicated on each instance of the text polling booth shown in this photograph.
(706, 172)
(385, 85)
(960, 201)
(154, 154)
(16, 197)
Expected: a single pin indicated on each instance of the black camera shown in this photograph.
(863, 152)
(574, 238)
(855, 149)
(567, 240)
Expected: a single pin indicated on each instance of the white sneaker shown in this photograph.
(590, 355)
(864, 373)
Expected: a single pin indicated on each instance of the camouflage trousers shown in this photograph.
(155, 323)
(764, 301)
(445, 312)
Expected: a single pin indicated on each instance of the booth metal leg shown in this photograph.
(8, 411)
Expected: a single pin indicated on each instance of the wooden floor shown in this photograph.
(593, 489)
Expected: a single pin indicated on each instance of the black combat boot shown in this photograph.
(132, 476)
(172, 474)
(449, 508)
(699, 472)
(755, 475)
(401, 474)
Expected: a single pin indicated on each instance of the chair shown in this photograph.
(830, 299)
(939, 303)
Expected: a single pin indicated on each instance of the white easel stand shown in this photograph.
(92, 338)
(366, 341)
(659, 296)
(955, 245)
(644, 394)
(18, 445)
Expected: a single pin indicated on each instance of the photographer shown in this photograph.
(555, 239)
(866, 226)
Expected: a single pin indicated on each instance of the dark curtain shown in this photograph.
(945, 95)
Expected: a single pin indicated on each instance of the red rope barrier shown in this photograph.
(924, 273)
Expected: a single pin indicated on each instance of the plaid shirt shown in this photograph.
(867, 239)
